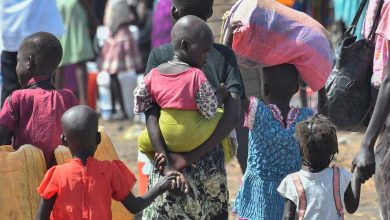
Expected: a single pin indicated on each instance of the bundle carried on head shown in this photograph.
(274, 34)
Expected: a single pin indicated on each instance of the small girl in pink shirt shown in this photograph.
(189, 108)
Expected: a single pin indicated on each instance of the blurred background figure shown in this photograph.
(145, 15)
(120, 53)
(80, 23)
(162, 23)
(18, 20)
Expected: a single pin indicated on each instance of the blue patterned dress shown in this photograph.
(273, 154)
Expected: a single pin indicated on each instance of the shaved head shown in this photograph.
(80, 126)
(190, 28)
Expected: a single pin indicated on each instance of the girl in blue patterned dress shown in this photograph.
(273, 151)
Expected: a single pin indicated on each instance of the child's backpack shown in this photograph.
(104, 151)
(21, 172)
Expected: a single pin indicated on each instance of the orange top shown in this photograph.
(85, 192)
(289, 3)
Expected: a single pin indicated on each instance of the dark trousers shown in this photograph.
(8, 73)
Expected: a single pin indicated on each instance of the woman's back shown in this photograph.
(273, 153)
(273, 149)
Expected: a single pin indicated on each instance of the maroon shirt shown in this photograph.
(34, 116)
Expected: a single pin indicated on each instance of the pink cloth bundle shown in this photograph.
(274, 34)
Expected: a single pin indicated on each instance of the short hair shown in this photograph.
(318, 141)
(190, 28)
(45, 48)
(199, 8)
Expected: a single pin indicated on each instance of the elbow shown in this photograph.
(351, 208)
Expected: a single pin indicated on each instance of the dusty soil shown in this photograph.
(124, 133)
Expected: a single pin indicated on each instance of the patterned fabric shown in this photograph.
(142, 100)
(273, 154)
(188, 90)
(162, 23)
(207, 198)
(382, 38)
(205, 101)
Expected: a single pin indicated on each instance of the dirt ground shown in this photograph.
(124, 133)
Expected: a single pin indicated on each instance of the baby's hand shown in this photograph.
(159, 162)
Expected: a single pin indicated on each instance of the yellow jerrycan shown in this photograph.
(21, 172)
(104, 151)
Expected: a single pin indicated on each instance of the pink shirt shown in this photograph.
(34, 116)
(189, 90)
(381, 54)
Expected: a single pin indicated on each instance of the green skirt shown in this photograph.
(76, 42)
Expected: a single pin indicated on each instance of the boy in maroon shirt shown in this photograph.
(33, 114)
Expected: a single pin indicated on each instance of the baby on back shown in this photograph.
(189, 105)
(32, 115)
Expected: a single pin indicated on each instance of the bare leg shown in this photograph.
(117, 92)
(81, 75)
(59, 77)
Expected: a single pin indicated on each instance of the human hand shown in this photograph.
(166, 183)
(228, 38)
(222, 93)
(364, 162)
(159, 162)
(179, 185)
(179, 160)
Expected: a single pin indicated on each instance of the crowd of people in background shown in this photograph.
(192, 95)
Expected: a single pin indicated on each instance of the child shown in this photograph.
(83, 187)
(318, 191)
(273, 151)
(188, 104)
(120, 51)
(32, 115)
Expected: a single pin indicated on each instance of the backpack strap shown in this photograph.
(301, 195)
(336, 192)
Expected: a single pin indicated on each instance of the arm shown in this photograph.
(45, 208)
(289, 210)
(136, 204)
(155, 135)
(352, 194)
(242, 137)
(4, 135)
(364, 161)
